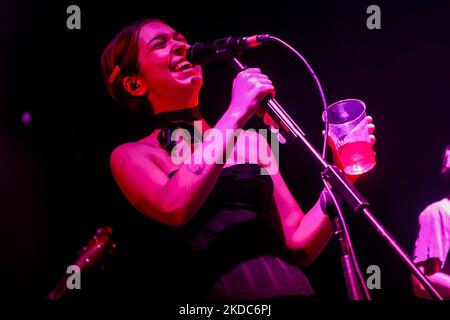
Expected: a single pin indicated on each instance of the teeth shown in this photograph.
(180, 65)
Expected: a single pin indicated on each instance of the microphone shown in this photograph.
(225, 48)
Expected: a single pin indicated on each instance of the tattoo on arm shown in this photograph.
(196, 169)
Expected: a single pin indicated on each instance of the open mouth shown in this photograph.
(181, 65)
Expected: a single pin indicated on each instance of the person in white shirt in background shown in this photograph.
(433, 241)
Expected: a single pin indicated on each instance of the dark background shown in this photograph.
(56, 187)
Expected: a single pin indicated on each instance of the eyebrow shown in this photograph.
(163, 35)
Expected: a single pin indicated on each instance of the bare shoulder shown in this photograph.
(132, 148)
(132, 152)
(147, 146)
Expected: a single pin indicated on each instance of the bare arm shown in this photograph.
(306, 234)
(440, 280)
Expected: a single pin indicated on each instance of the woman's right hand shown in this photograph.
(249, 89)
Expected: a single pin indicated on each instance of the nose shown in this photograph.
(179, 47)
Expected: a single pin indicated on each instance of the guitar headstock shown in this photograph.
(100, 245)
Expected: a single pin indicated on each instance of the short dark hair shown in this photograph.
(123, 52)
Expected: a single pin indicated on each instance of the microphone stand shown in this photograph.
(342, 186)
(350, 269)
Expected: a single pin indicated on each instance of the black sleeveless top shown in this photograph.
(232, 249)
(233, 245)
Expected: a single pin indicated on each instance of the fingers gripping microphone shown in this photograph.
(225, 48)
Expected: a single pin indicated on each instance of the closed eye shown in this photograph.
(160, 41)
(181, 39)
(159, 45)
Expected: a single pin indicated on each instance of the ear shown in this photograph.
(134, 86)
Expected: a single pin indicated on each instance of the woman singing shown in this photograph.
(242, 234)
